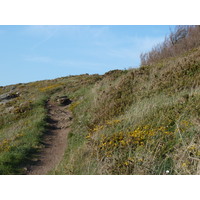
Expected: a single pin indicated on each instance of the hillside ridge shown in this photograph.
(135, 121)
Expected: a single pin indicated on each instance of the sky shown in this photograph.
(31, 53)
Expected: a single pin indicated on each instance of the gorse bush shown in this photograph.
(136, 121)
(140, 121)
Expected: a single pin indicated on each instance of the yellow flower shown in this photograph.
(123, 142)
(184, 165)
(126, 163)
(88, 136)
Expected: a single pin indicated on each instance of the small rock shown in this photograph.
(8, 96)
(64, 100)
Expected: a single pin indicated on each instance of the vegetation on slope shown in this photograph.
(23, 118)
(22, 122)
(137, 121)
(140, 121)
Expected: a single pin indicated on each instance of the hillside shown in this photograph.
(136, 121)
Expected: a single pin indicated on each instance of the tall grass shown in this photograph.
(142, 121)
(137, 121)
(22, 139)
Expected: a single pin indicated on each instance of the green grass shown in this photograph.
(136, 121)
(23, 119)
(164, 97)
(21, 139)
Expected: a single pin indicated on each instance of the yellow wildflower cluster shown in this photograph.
(130, 161)
(100, 127)
(183, 126)
(97, 128)
(184, 164)
(107, 123)
(50, 87)
(88, 136)
(185, 123)
(130, 139)
(92, 130)
(112, 122)
(5, 144)
(194, 150)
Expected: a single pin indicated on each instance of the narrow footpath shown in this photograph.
(54, 141)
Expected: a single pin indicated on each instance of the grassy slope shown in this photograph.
(138, 121)
(23, 119)
(22, 122)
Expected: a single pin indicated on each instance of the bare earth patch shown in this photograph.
(54, 140)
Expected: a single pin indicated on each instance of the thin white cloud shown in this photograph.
(128, 48)
(46, 33)
(39, 59)
(35, 30)
(61, 63)
(68, 30)
(106, 42)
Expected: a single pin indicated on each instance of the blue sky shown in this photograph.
(30, 53)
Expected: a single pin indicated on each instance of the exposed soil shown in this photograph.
(54, 140)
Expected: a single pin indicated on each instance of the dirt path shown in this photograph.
(54, 140)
